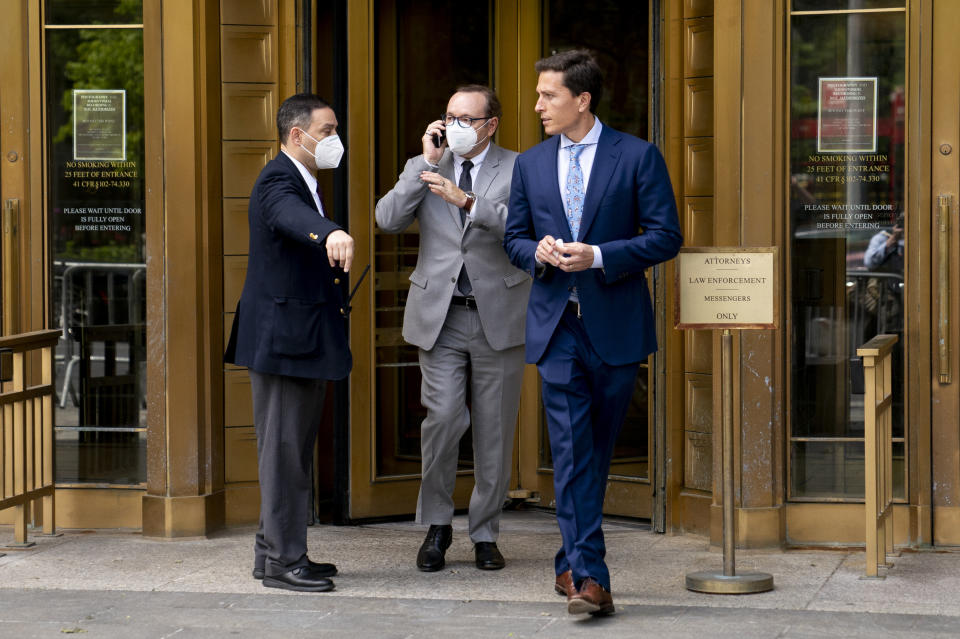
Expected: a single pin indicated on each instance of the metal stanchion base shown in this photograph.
(717, 583)
(16, 546)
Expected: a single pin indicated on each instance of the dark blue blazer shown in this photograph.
(288, 320)
(629, 212)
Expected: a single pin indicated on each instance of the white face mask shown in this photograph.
(462, 140)
(327, 152)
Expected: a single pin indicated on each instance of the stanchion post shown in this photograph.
(728, 582)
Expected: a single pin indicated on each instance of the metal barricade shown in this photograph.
(99, 298)
(877, 355)
(26, 431)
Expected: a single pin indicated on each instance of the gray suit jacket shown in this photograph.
(501, 289)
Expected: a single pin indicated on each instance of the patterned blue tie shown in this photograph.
(574, 190)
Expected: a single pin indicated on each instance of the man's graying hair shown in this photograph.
(494, 110)
(296, 111)
(581, 73)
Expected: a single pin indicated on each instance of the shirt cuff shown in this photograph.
(597, 257)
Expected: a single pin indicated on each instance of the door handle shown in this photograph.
(11, 265)
(943, 285)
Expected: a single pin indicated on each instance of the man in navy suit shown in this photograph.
(290, 333)
(590, 209)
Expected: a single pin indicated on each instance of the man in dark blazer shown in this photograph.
(290, 333)
(590, 209)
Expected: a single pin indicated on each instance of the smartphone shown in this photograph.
(439, 138)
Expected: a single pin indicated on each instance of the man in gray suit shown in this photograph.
(466, 311)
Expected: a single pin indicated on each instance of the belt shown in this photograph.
(574, 308)
(467, 302)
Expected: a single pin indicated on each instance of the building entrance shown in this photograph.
(416, 57)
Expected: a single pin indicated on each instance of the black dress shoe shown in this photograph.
(434, 548)
(488, 556)
(323, 570)
(302, 579)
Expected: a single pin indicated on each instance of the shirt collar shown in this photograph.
(477, 160)
(592, 136)
(307, 174)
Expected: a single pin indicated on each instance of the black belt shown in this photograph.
(468, 302)
(574, 308)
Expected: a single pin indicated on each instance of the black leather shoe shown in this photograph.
(302, 579)
(431, 557)
(323, 570)
(488, 556)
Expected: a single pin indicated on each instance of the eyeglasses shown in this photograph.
(463, 121)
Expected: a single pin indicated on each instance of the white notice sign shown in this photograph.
(727, 287)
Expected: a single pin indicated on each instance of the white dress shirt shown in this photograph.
(587, 155)
(311, 181)
(458, 161)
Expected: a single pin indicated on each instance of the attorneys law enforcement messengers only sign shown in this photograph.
(727, 287)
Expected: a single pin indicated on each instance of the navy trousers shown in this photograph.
(586, 402)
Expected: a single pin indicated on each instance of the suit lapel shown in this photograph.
(291, 168)
(445, 169)
(604, 163)
(488, 170)
(550, 180)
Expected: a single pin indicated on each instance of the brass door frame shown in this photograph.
(20, 179)
(517, 45)
(371, 495)
(942, 165)
(627, 496)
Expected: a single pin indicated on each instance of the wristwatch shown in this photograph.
(471, 198)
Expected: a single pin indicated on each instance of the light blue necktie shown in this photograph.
(575, 190)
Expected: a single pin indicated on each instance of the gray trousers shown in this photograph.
(462, 356)
(286, 415)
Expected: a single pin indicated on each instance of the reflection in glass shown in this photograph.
(89, 12)
(97, 242)
(622, 54)
(847, 222)
(424, 52)
(845, 5)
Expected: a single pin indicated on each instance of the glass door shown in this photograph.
(420, 53)
(619, 35)
(94, 173)
(853, 240)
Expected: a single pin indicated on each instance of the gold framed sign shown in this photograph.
(727, 287)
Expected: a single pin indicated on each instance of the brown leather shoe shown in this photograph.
(591, 598)
(564, 585)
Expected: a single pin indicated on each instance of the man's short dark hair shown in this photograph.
(581, 73)
(297, 111)
(494, 110)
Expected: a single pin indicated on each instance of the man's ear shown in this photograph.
(585, 99)
(495, 122)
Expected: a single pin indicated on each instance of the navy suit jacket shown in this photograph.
(288, 320)
(629, 212)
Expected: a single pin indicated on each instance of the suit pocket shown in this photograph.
(517, 277)
(418, 279)
(297, 327)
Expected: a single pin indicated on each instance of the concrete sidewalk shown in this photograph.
(122, 585)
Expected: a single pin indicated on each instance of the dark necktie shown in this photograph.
(465, 184)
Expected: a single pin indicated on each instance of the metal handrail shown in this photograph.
(26, 432)
(877, 357)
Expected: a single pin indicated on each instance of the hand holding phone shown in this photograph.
(433, 140)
